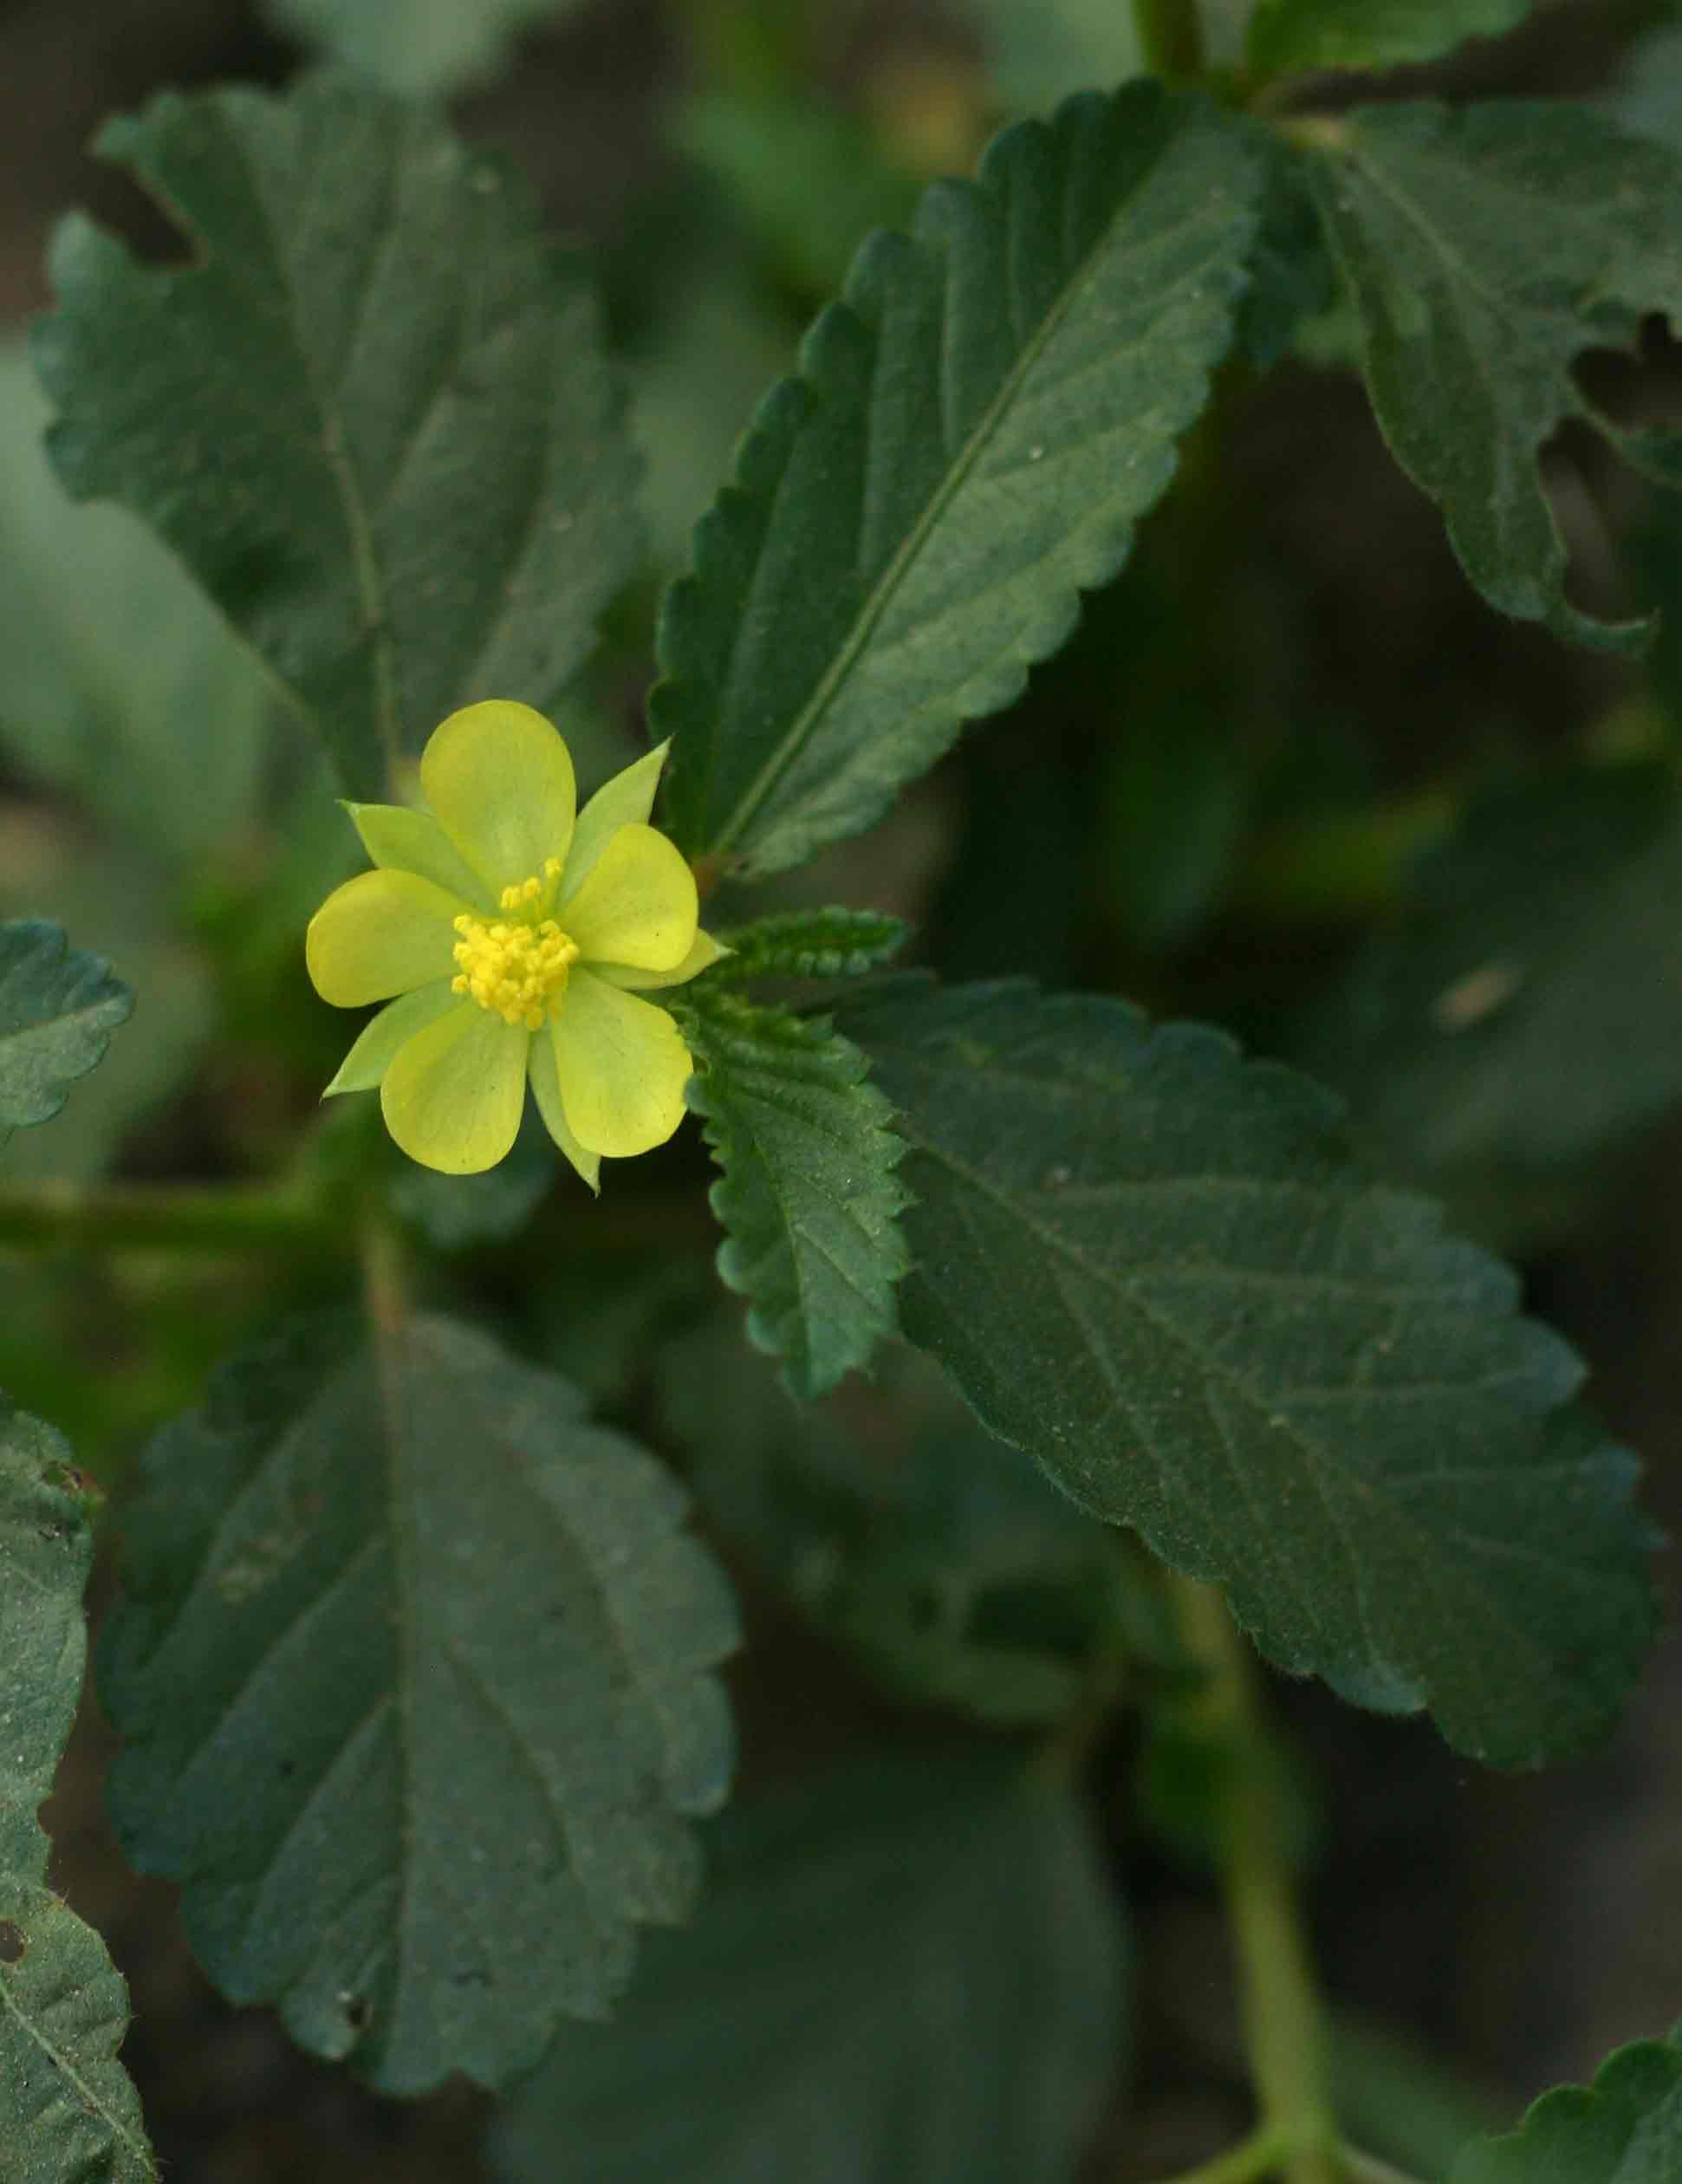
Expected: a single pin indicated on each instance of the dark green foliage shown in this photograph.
(808, 1195)
(1485, 250)
(811, 944)
(905, 1969)
(371, 416)
(1285, 36)
(414, 1677)
(69, 2114)
(1155, 1267)
(974, 431)
(1625, 2129)
(58, 1008)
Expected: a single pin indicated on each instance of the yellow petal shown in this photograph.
(500, 783)
(381, 933)
(638, 905)
(705, 952)
(404, 841)
(452, 1096)
(622, 1068)
(546, 1090)
(397, 1022)
(625, 801)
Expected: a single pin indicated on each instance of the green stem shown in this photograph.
(1283, 2030)
(140, 1217)
(1170, 37)
(1253, 2157)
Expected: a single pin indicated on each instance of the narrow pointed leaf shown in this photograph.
(1289, 35)
(371, 416)
(68, 2113)
(811, 944)
(1486, 248)
(58, 1008)
(808, 1194)
(973, 432)
(1156, 1267)
(415, 1678)
(1625, 2129)
(905, 1969)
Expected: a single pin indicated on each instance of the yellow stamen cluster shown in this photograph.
(516, 967)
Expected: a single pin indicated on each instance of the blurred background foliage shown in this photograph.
(1290, 776)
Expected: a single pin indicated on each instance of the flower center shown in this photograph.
(517, 965)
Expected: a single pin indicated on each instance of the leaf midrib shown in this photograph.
(877, 600)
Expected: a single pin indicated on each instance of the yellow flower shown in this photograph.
(514, 941)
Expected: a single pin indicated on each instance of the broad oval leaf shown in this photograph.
(371, 417)
(414, 1676)
(1625, 2129)
(1484, 250)
(1156, 1267)
(974, 430)
(905, 1968)
(1291, 35)
(809, 1196)
(58, 1008)
(67, 2110)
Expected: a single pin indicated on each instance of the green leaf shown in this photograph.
(1038, 51)
(420, 48)
(414, 1678)
(1486, 248)
(120, 684)
(1502, 1021)
(58, 1008)
(1626, 2129)
(949, 1569)
(371, 416)
(1288, 36)
(910, 1969)
(811, 944)
(67, 2111)
(1155, 1267)
(808, 1195)
(974, 430)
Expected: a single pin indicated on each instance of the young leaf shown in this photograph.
(910, 1969)
(1503, 1022)
(67, 2111)
(414, 1677)
(808, 1195)
(424, 49)
(1154, 1266)
(1625, 2129)
(974, 431)
(811, 944)
(1486, 248)
(1289, 35)
(58, 1008)
(371, 416)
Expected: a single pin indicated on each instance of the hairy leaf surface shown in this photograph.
(423, 48)
(1286, 35)
(907, 1969)
(1505, 1022)
(1625, 2129)
(974, 430)
(811, 944)
(371, 416)
(67, 2111)
(1155, 1267)
(415, 1679)
(1486, 248)
(58, 1008)
(808, 1194)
